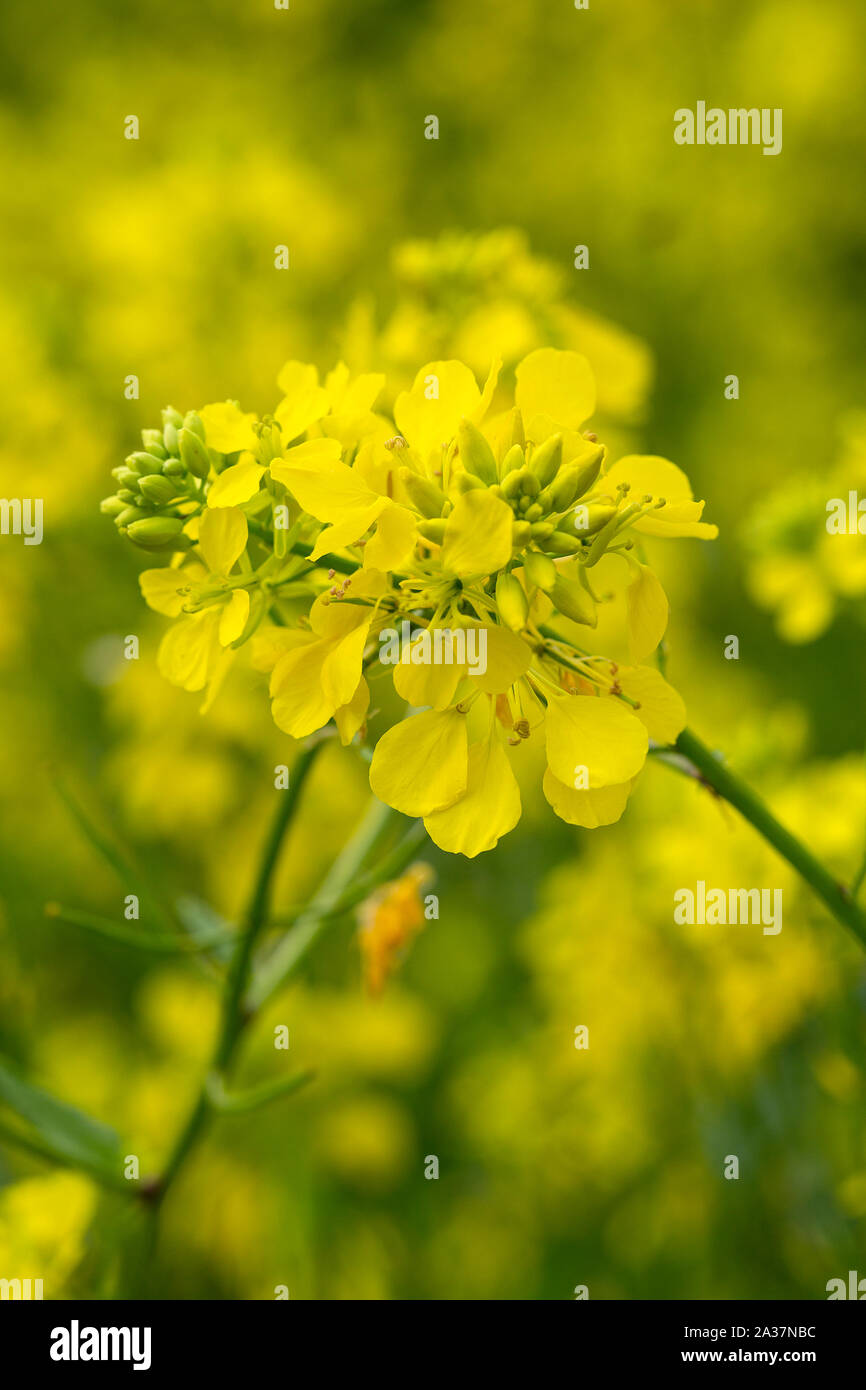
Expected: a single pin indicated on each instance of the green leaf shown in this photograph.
(242, 1102)
(59, 1129)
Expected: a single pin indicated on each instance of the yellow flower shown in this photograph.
(389, 921)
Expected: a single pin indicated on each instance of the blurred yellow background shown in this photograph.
(155, 257)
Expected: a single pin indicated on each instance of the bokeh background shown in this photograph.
(558, 1167)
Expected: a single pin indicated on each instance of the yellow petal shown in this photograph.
(341, 668)
(591, 807)
(349, 529)
(299, 704)
(349, 397)
(658, 477)
(270, 643)
(161, 588)
(421, 764)
(328, 489)
(478, 534)
(305, 400)
(349, 718)
(190, 649)
(555, 387)
(489, 809)
(661, 710)
(393, 541)
(648, 610)
(236, 484)
(427, 683)
(442, 393)
(508, 658)
(222, 538)
(596, 734)
(227, 429)
(235, 616)
(489, 391)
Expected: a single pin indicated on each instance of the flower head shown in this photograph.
(452, 551)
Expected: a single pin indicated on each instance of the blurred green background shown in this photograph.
(558, 1167)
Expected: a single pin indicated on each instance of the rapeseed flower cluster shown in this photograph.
(351, 547)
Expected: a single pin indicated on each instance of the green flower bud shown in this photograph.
(561, 544)
(427, 496)
(475, 453)
(122, 468)
(152, 441)
(192, 421)
(127, 477)
(511, 602)
(521, 533)
(588, 470)
(433, 530)
(155, 532)
(546, 460)
(573, 601)
(170, 416)
(540, 570)
(541, 530)
(514, 459)
(465, 482)
(193, 453)
(587, 519)
(144, 462)
(112, 506)
(174, 468)
(129, 515)
(158, 490)
(127, 496)
(169, 437)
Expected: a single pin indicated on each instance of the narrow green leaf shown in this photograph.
(60, 1128)
(153, 942)
(242, 1102)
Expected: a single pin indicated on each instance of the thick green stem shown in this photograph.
(835, 895)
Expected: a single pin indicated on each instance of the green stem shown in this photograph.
(286, 957)
(233, 1017)
(727, 784)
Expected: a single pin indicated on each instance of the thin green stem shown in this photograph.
(233, 1017)
(716, 774)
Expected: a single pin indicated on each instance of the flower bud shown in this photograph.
(587, 470)
(586, 520)
(465, 482)
(562, 544)
(546, 460)
(144, 462)
(427, 496)
(169, 437)
(514, 459)
(174, 468)
(573, 601)
(433, 530)
(521, 533)
(475, 453)
(112, 506)
(193, 453)
(127, 496)
(193, 421)
(158, 490)
(511, 602)
(152, 441)
(129, 515)
(170, 416)
(155, 532)
(127, 477)
(540, 570)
